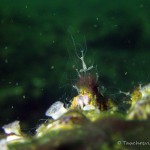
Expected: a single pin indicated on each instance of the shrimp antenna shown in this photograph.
(85, 45)
(74, 46)
(84, 66)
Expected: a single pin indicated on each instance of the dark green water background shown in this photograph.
(37, 54)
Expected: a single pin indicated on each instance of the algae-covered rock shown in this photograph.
(107, 133)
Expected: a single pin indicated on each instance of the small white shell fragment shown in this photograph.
(12, 138)
(56, 110)
(3, 144)
(88, 107)
(13, 127)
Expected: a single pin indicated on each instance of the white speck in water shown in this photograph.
(17, 83)
(115, 25)
(126, 73)
(95, 25)
(6, 61)
(11, 21)
(2, 21)
(10, 82)
(40, 33)
(12, 107)
(97, 18)
(6, 47)
(24, 96)
(52, 67)
(141, 6)
(26, 6)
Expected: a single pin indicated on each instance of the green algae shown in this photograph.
(102, 134)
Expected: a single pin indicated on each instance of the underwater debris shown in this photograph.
(13, 132)
(80, 101)
(3, 144)
(141, 92)
(145, 91)
(56, 110)
(140, 107)
(140, 111)
(13, 127)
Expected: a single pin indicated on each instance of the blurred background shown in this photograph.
(38, 58)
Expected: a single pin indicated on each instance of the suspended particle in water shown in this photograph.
(52, 67)
(6, 61)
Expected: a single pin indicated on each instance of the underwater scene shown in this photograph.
(74, 75)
